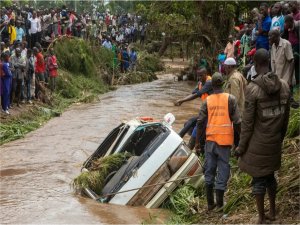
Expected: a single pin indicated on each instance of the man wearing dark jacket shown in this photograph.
(264, 125)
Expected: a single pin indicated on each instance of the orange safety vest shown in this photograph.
(219, 126)
(204, 95)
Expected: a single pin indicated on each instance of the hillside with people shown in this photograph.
(54, 62)
(241, 118)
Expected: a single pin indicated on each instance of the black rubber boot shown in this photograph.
(210, 197)
(219, 198)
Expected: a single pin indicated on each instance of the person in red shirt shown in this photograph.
(52, 67)
(39, 66)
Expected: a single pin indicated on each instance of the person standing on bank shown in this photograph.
(282, 60)
(223, 119)
(18, 65)
(235, 83)
(52, 66)
(6, 82)
(264, 125)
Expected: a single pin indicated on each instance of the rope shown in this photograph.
(147, 186)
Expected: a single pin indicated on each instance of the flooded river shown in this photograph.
(36, 171)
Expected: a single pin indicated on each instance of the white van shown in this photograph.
(160, 163)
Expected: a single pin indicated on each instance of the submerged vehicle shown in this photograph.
(160, 162)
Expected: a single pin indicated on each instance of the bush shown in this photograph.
(149, 62)
(136, 77)
(78, 56)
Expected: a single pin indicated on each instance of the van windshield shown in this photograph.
(144, 137)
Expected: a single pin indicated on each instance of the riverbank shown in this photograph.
(28, 117)
(86, 72)
(189, 206)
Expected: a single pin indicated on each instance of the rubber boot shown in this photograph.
(210, 197)
(260, 208)
(219, 198)
(272, 196)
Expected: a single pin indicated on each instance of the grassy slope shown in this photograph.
(240, 207)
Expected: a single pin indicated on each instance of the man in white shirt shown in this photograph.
(34, 29)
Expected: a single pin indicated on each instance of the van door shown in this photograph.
(110, 143)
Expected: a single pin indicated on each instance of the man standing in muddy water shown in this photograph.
(264, 125)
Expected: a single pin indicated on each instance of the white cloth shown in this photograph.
(34, 25)
(251, 73)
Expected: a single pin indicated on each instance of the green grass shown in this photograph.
(100, 169)
(20, 126)
(188, 206)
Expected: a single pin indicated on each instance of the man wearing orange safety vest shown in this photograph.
(204, 89)
(223, 118)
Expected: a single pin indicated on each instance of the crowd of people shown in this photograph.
(22, 73)
(26, 31)
(274, 28)
(247, 112)
(45, 25)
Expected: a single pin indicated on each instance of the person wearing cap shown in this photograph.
(235, 83)
(263, 129)
(223, 119)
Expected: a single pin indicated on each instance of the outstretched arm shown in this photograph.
(186, 99)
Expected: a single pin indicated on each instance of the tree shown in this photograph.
(6, 3)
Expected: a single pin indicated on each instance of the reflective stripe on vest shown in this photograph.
(219, 126)
(204, 95)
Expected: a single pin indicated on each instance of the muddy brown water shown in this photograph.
(36, 171)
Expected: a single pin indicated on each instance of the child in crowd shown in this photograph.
(52, 68)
